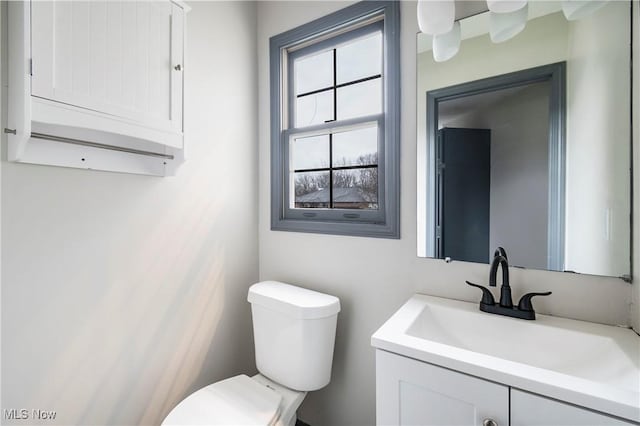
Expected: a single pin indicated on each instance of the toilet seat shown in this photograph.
(238, 401)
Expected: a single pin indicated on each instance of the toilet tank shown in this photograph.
(294, 331)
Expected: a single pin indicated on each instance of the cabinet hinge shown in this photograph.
(30, 66)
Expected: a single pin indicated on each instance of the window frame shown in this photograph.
(349, 23)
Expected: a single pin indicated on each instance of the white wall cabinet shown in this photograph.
(410, 392)
(97, 84)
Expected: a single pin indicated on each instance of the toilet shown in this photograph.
(294, 332)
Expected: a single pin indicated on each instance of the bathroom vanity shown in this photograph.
(442, 361)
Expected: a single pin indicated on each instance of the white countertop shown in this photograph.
(591, 365)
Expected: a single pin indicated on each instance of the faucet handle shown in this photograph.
(487, 297)
(525, 301)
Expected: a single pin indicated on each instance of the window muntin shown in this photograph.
(336, 170)
(342, 81)
(337, 84)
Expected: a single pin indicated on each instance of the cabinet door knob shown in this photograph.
(178, 67)
(489, 422)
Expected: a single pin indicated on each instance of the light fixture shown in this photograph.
(436, 16)
(505, 6)
(578, 9)
(503, 26)
(445, 46)
(507, 18)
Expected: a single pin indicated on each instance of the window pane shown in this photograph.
(314, 72)
(310, 152)
(314, 109)
(356, 147)
(311, 190)
(360, 99)
(355, 189)
(359, 59)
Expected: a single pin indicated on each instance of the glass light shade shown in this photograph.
(503, 26)
(436, 16)
(445, 46)
(578, 9)
(505, 6)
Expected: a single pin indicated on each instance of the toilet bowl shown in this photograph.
(294, 334)
(239, 400)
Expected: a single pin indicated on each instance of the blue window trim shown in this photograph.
(385, 223)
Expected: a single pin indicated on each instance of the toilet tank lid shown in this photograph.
(294, 301)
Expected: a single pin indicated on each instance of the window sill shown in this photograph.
(353, 229)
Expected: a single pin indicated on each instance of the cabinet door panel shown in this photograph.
(533, 410)
(410, 392)
(115, 57)
(177, 58)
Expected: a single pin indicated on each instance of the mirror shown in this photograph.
(525, 143)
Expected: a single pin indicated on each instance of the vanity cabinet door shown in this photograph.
(533, 410)
(410, 392)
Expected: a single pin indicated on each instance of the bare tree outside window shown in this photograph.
(353, 188)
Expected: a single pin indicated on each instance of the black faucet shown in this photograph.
(500, 260)
(505, 307)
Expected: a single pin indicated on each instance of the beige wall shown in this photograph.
(121, 294)
(373, 277)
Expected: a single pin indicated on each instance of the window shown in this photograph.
(335, 123)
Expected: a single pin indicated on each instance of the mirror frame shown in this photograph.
(555, 74)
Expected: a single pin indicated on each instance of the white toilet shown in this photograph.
(294, 331)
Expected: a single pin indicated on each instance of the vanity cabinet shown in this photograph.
(411, 392)
(533, 410)
(97, 84)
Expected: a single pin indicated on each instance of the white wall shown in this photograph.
(373, 277)
(122, 293)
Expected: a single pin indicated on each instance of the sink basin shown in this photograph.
(592, 365)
